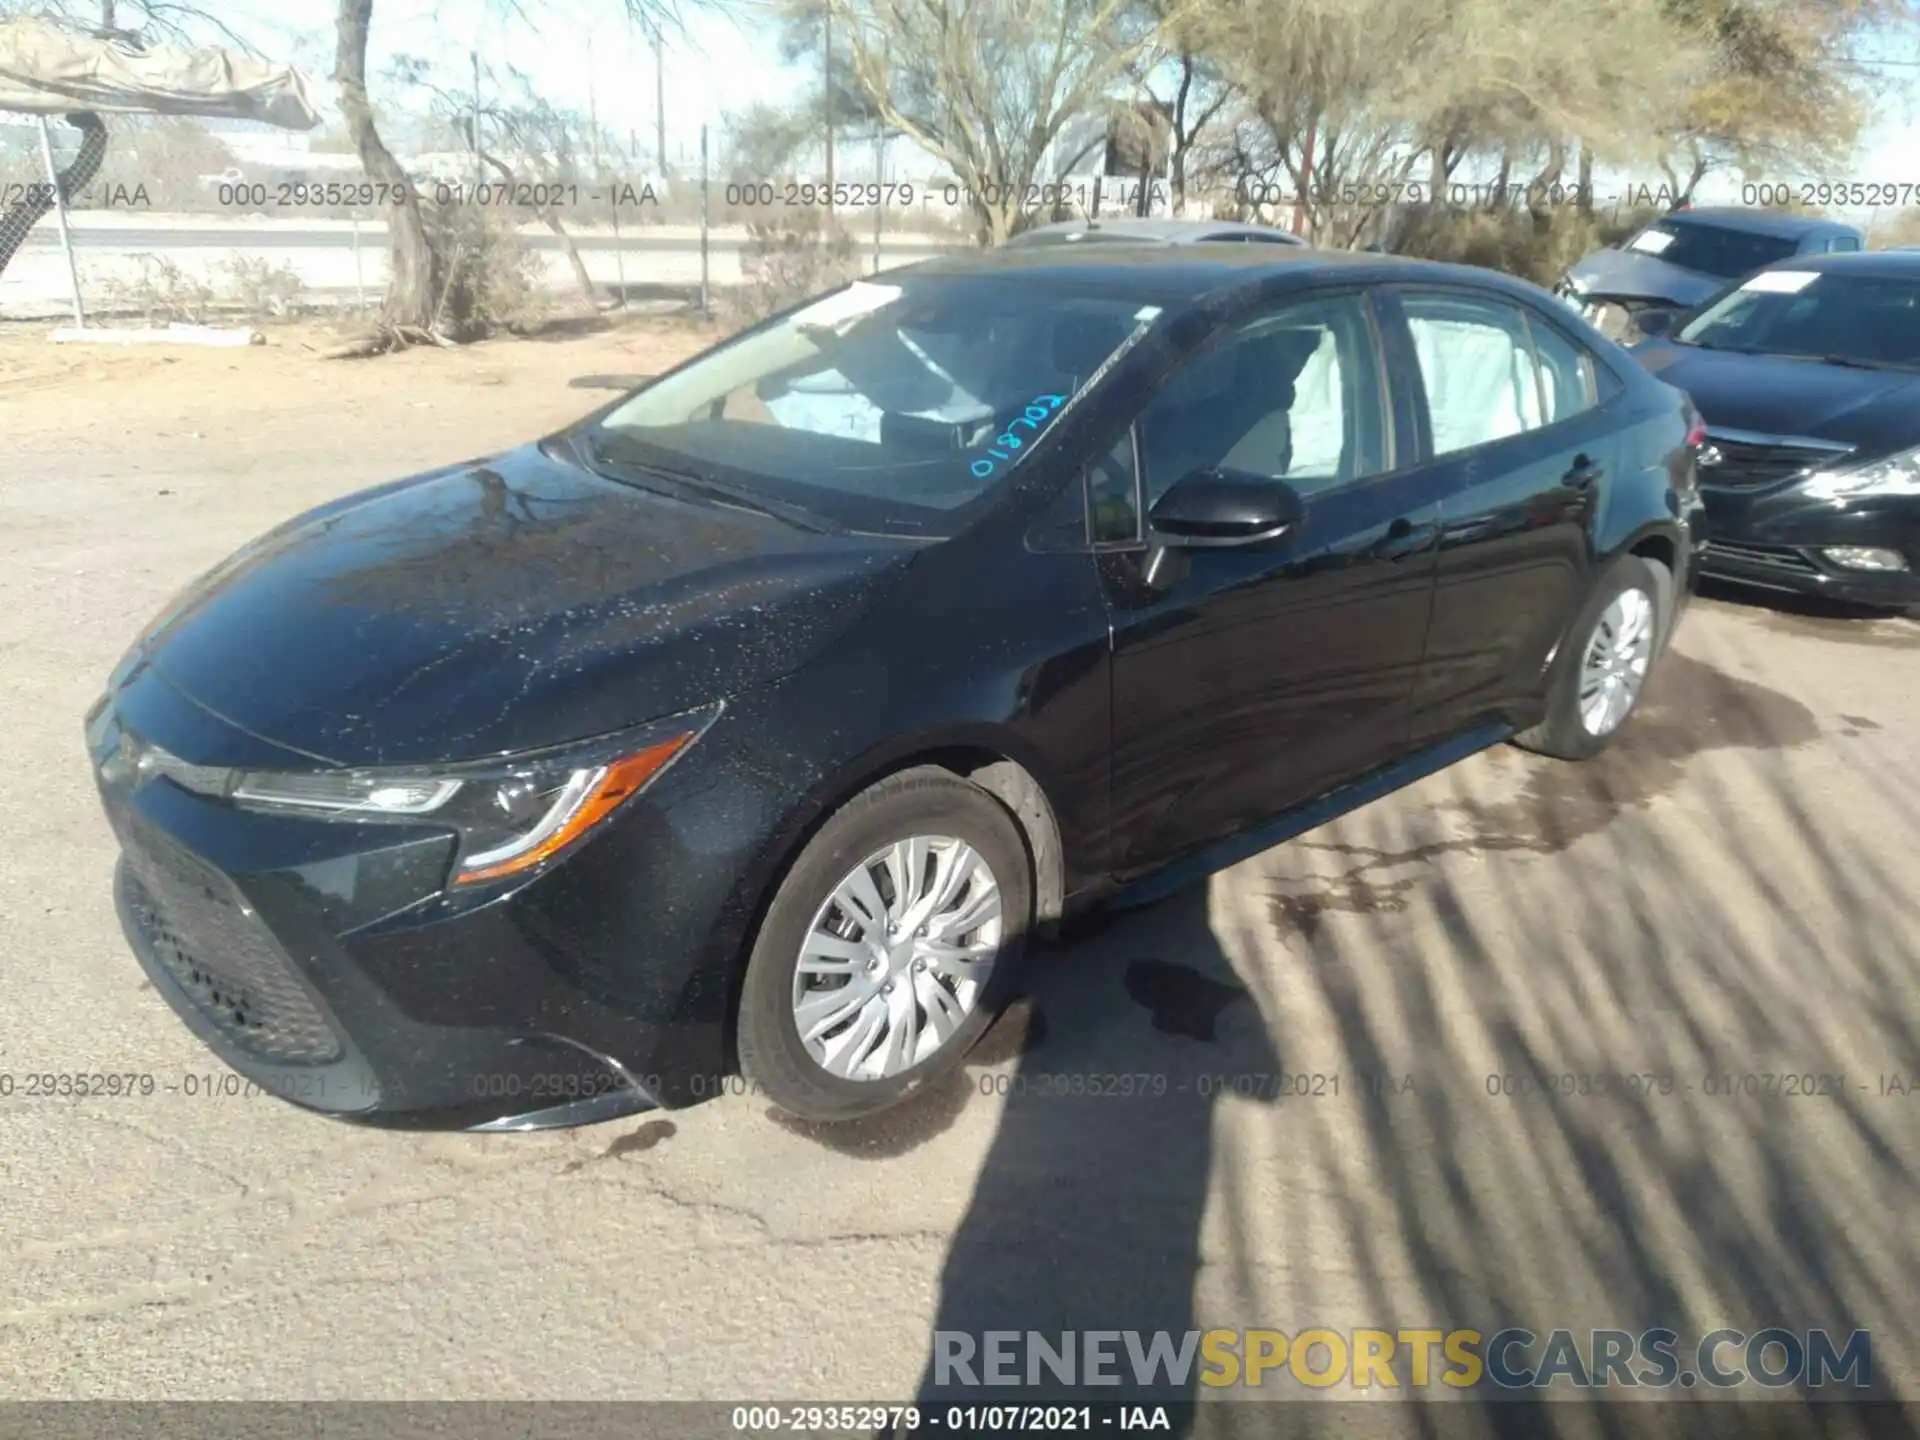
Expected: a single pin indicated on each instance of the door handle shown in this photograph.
(1403, 538)
(1583, 473)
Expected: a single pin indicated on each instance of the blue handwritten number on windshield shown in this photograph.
(1007, 444)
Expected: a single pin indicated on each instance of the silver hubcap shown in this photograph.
(896, 958)
(1616, 662)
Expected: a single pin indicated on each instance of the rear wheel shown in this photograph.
(888, 948)
(1604, 660)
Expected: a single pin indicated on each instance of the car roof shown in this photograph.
(1190, 274)
(1902, 264)
(1756, 221)
(1160, 230)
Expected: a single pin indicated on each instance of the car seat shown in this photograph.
(1229, 407)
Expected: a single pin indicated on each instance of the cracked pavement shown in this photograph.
(1730, 891)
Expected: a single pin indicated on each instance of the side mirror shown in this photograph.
(1211, 508)
(1655, 322)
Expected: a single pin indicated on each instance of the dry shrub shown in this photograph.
(489, 276)
(1510, 240)
(163, 294)
(244, 287)
(261, 289)
(785, 260)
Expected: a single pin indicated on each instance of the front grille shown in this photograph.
(1747, 465)
(1773, 557)
(210, 941)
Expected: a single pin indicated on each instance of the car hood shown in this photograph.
(503, 605)
(1874, 410)
(1635, 275)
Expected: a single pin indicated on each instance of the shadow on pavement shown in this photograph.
(1610, 1043)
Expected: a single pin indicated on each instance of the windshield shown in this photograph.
(889, 407)
(1869, 320)
(1709, 250)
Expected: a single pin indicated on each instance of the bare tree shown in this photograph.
(1779, 92)
(765, 141)
(1177, 73)
(545, 160)
(415, 275)
(988, 85)
(138, 22)
(805, 34)
(1340, 100)
(1330, 106)
(419, 273)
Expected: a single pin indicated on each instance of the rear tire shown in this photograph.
(886, 1008)
(1601, 669)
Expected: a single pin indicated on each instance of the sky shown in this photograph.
(576, 51)
(582, 51)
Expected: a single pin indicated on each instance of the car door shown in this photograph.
(1510, 413)
(1246, 681)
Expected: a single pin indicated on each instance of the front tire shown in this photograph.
(888, 948)
(1601, 670)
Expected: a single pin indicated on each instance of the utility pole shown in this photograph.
(706, 293)
(479, 174)
(660, 102)
(593, 117)
(826, 85)
(880, 156)
(60, 212)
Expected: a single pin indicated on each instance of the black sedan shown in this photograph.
(743, 732)
(1809, 377)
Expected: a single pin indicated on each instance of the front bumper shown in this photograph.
(1777, 539)
(322, 961)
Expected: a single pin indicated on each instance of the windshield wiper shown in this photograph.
(703, 487)
(1853, 362)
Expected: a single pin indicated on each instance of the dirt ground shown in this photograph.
(1478, 963)
(49, 389)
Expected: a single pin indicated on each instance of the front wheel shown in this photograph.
(888, 949)
(1604, 661)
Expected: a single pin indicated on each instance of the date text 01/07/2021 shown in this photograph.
(898, 1420)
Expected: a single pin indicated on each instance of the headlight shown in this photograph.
(511, 815)
(1894, 475)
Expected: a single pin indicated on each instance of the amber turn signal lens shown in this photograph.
(616, 782)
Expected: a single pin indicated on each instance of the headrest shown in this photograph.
(1262, 367)
(1277, 357)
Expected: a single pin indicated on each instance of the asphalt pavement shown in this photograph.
(1393, 1055)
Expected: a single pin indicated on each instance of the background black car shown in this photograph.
(1809, 377)
(1687, 257)
(761, 716)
